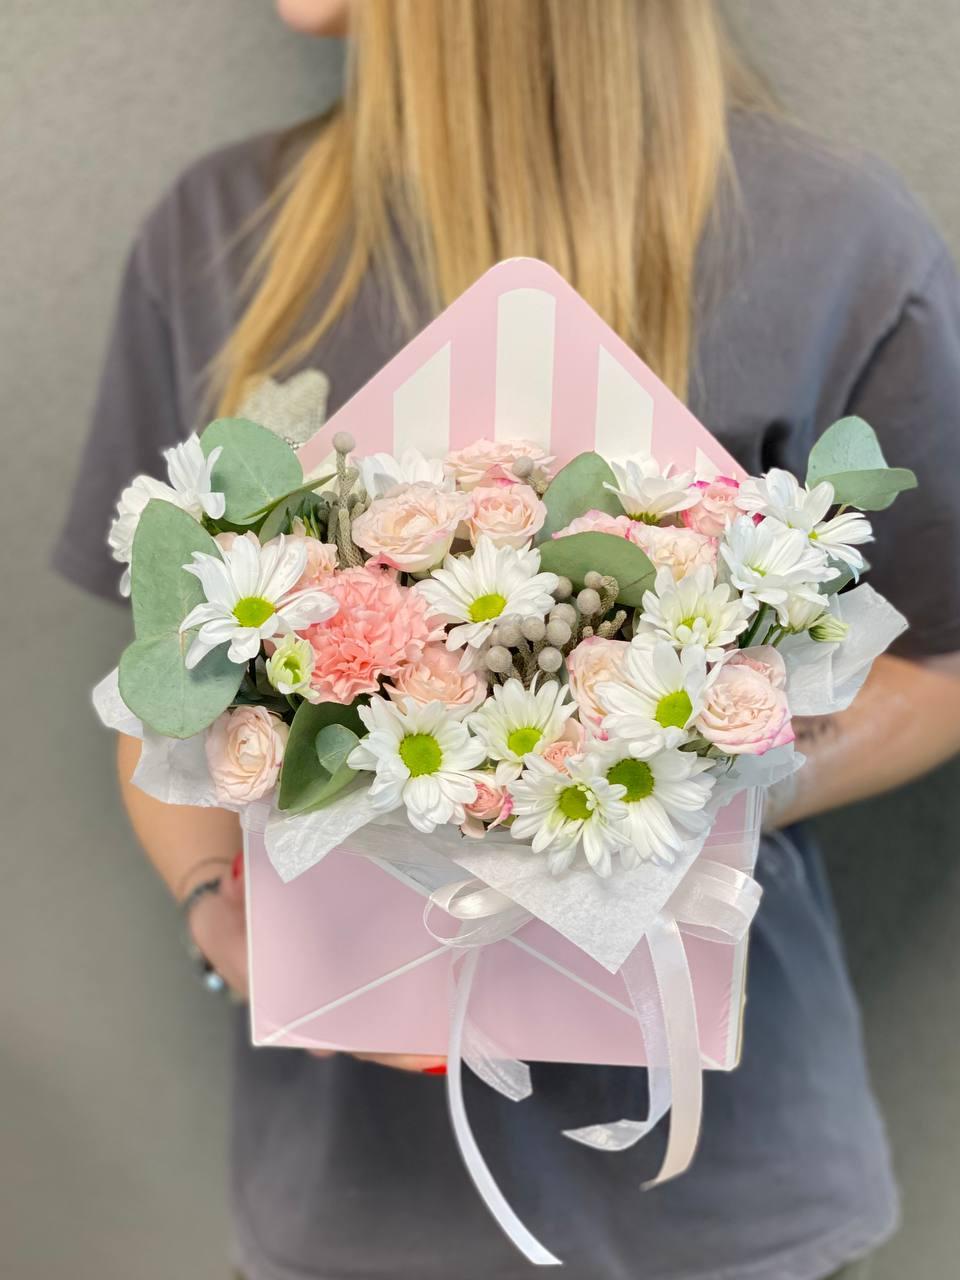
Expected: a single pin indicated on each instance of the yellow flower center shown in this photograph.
(523, 740)
(421, 753)
(253, 611)
(636, 776)
(574, 803)
(673, 710)
(485, 608)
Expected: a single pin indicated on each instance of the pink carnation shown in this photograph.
(378, 629)
(679, 550)
(747, 711)
(716, 507)
(601, 522)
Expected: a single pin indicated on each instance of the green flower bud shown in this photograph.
(290, 665)
(829, 629)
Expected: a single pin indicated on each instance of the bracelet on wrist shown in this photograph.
(208, 974)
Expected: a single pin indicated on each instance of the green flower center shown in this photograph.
(484, 608)
(253, 611)
(674, 710)
(523, 740)
(421, 753)
(636, 776)
(574, 803)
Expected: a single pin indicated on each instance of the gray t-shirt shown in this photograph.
(834, 296)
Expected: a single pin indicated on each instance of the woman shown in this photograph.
(619, 140)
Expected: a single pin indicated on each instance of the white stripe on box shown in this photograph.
(421, 408)
(525, 340)
(624, 423)
(706, 468)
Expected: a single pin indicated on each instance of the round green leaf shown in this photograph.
(175, 702)
(305, 782)
(161, 593)
(577, 489)
(578, 554)
(255, 469)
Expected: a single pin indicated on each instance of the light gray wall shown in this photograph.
(113, 1064)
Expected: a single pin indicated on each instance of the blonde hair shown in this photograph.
(589, 133)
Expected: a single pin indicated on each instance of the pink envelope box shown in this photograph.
(339, 957)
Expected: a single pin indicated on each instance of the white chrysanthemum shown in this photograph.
(561, 813)
(780, 495)
(799, 612)
(475, 590)
(664, 793)
(646, 493)
(189, 489)
(381, 473)
(768, 562)
(515, 722)
(659, 695)
(250, 597)
(422, 757)
(290, 666)
(696, 611)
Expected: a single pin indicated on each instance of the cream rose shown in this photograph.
(746, 712)
(601, 522)
(436, 677)
(509, 515)
(715, 508)
(595, 661)
(244, 752)
(413, 528)
(679, 550)
(470, 465)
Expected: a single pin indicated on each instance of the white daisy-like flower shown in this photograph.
(696, 611)
(781, 495)
(646, 493)
(250, 597)
(189, 489)
(475, 590)
(381, 473)
(665, 793)
(515, 722)
(768, 562)
(422, 758)
(560, 813)
(659, 695)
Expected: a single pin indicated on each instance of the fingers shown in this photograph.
(424, 1063)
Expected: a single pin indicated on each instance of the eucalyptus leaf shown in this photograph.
(255, 469)
(577, 554)
(154, 682)
(283, 512)
(333, 744)
(175, 702)
(577, 489)
(305, 784)
(848, 456)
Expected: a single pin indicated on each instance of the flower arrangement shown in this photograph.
(581, 657)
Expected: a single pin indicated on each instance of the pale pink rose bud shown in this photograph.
(244, 749)
(679, 550)
(746, 712)
(490, 808)
(493, 459)
(595, 661)
(436, 677)
(558, 753)
(601, 522)
(412, 528)
(509, 515)
(717, 506)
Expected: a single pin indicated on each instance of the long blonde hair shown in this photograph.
(589, 133)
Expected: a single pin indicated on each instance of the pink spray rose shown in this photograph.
(601, 522)
(595, 661)
(747, 711)
(412, 528)
(717, 506)
(558, 753)
(495, 458)
(244, 752)
(379, 628)
(679, 550)
(436, 677)
(491, 807)
(509, 515)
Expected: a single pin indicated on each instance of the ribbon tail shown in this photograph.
(483, 1180)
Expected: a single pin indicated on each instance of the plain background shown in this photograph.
(113, 1065)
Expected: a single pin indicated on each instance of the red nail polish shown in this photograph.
(436, 1071)
(236, 868)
